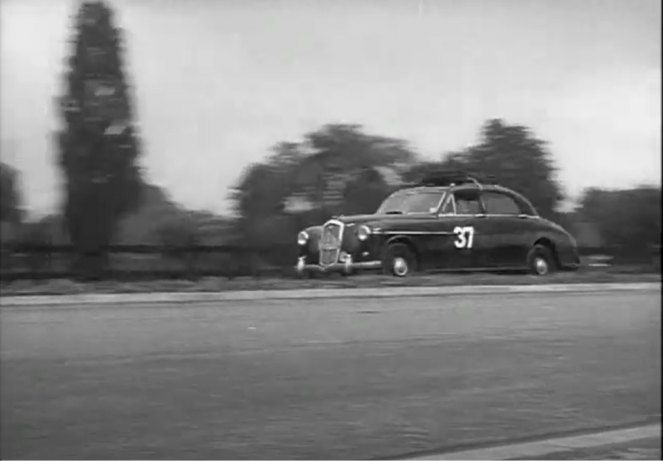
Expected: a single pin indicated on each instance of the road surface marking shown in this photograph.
(553, 445)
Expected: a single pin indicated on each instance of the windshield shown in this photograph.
(406, 202)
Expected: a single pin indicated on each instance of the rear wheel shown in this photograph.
(399, 260)
(540, 260)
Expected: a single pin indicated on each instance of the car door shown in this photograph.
(420, 226)
(505, 242)
(465, 248)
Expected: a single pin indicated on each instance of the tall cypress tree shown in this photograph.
(10, 210)
(98, 144)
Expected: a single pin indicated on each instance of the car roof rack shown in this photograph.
(445, 178)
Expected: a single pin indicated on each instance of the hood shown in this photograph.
(357, 218)
(383, 220)
(365, 218)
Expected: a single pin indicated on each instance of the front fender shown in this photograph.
(402, 239)
(311, 247)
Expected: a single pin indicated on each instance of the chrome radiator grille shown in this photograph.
(330, 243)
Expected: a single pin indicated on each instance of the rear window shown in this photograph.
(467, 201)
(497, 203)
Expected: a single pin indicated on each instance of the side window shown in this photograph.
(497, 203)
(525, 206)
(467, 202)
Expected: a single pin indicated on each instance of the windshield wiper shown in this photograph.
(394, 212)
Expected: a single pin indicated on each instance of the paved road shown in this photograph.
(333, 378)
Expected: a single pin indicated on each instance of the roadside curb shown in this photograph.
(314, 293)
(552, 445)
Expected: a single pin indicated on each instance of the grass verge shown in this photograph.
(213, 284)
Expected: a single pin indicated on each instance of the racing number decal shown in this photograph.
(464, 236)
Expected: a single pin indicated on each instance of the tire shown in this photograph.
(540, 261)
(399, 260)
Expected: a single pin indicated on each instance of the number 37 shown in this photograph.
(464, 236)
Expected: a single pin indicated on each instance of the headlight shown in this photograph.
(363, 232)
(302, 238)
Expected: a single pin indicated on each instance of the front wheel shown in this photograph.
(399, 260)
(540, 260)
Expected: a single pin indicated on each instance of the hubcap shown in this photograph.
(400, 266)
(541, 266)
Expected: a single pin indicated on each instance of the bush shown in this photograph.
(176, 236)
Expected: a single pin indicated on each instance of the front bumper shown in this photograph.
(347, 267)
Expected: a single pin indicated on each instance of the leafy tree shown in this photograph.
(177, 232)
(342, 160)
(365, 192)
(627, 220)
(336, 169)
(517, 159)
(9, 199)
(341, 154)
(98, 145)
(416, 172)
(141, 226)
(10, 214)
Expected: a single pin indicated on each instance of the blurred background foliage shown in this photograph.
(341, 169)
(336, 169)
(624, 219)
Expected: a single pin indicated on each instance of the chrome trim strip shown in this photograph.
(341, 266)
(336, 221)
(512, 215)
(340, 241)
(484, 215)
(405, 232)
(439, 204)
(449, 198)
(476, 215)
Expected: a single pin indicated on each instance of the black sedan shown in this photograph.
(452, 223)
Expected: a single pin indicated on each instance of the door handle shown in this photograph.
(523, 216)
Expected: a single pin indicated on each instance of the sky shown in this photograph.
(217, 83)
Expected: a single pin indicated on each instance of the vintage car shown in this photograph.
(450, 221)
